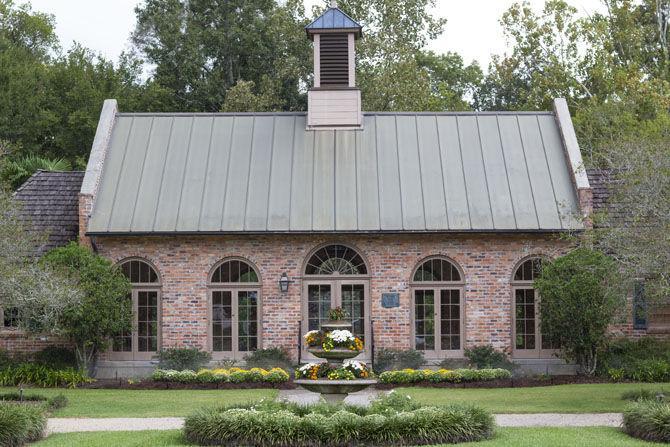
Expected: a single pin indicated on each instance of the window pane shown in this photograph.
(450, 315)
(437, 270)
(424, 320)
(318, 304)
(336, 259)
(246, 327)
(234, 271)
(139, 272)
(353, 302)
(147, 321)
(525, 318)
(222, 312)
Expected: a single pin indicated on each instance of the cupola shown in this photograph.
(334, 102)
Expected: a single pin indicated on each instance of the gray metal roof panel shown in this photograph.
(255, 173)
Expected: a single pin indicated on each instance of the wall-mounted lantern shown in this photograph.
(284, 282)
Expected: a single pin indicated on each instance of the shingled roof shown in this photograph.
(49, 205)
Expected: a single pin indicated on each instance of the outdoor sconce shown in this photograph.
(284, 282)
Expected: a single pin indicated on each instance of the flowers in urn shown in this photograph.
(350, 370)
(328, 341)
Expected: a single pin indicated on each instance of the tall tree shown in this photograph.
(202, 48)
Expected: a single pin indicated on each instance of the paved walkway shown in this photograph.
(68, 425)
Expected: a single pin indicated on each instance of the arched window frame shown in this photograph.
(316, 250)
(235, 291)
(140, 292)
(338, 287)
(446, 291)
(523, 289)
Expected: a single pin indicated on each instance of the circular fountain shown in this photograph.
(334, 390)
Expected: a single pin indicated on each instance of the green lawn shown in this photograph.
(144, 403)
(599, 398)
(508, 437)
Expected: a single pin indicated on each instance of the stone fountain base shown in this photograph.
(335, 390)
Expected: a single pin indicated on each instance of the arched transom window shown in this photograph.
(531, 339)
(143, 341)
(437, 292)
(336, 260)
(234, 309)
(335, 277)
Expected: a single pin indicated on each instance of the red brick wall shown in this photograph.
(17, 342)
(184, 264)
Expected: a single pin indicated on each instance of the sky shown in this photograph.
(472, 29)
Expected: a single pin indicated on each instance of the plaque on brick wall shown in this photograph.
(390, 300)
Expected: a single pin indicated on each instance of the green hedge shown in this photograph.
(20, 424)
(648, 420)
(232, 375)
(40, 375)
(389, 422)
(443, 375)
(648, 370)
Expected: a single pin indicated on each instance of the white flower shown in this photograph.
(355, 364)
(310, 333)
(341, 336)
(307, 367)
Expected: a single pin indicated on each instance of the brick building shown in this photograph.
(239, 231)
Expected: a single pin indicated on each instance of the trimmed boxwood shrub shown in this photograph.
(183, 359)
(232, 375)
(648, 420)
(406, 376)
(20, 424)
(51, 403)
(392, 421)
(39, 375)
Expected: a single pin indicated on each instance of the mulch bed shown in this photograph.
(521, 382)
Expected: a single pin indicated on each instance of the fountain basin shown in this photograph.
(335, 355)
(335, 390)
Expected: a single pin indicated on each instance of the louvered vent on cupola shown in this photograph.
(334, 102)
(334, 59)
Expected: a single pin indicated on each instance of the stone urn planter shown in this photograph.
(334, 390)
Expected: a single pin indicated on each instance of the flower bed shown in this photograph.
(408, 376)
(231, 375)
(330, 340)
(393, 420)
(350, 370)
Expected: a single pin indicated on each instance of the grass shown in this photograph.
(508, 437)
(596, 398)
(144, 403)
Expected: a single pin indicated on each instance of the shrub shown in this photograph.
(56, 357)
(40, 375)
(20, 424)
(56, 402)
(104, 310)
(394, 420)
(646, 394)
(621, 355)
(181, 359)
(648, 420)
(269, 358)
(486, 357)
(232, 375)
(350, 370)
(393, 359)
(407, 376)
(580, 299)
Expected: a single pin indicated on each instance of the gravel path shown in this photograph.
(559, 420)
(67, 425)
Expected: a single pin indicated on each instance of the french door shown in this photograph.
(438, 321)
(320, 296)
(530, 339)
(141, 343)
(234, 322)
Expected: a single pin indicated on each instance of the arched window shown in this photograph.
(234, 309)
(531, 339)
(144, 340)
(336, 260)
(437, 293)
(335, 277)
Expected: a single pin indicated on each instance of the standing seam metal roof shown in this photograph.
(404, 172)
